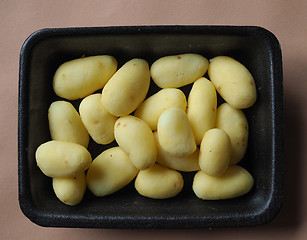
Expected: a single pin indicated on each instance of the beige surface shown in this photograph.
(286, 19)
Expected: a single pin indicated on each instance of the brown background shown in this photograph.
(286, 19)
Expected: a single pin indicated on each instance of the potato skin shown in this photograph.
(70, 190)
(184, 164)
(233, 81)
(178, 70)
(234, 123)
(175, 133)
(202, 103)
(109, 172)
(235, 182)
(151, 109)
(65, 124)
(158, 182)
(135, 137)
(81, 77)
(215, 152)
(98, 122)
(127, 88)
(59, 159)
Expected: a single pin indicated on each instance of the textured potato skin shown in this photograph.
(135, 137)
(62, 159)
(151, 109)
(235, 182)
(65, 124)
(109, 172)
(233, 81)
(70, 190)
(98, 122)
(175, 133)
(234, 123)
(81, 77)
(158, 182)
(127, 88)
(178, 70)
(202, 103)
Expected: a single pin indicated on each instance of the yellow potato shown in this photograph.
(59, 159)
(159, 182)
(127, 89)
(178, 70)
(70, 190)
(202, 103)
(151, 109)
(233, 81)
(81, 77)
(98, 122)
(235, 182)
(135, 137)
(109, 172)
(234, 123)
(175, 133)
(215, 151)
(65, 124)
(185, 164)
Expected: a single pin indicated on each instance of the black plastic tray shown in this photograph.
(255, 47)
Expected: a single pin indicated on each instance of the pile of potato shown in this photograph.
(158, 137)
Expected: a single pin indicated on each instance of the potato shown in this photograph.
(234, 123)
(98, 122)
(59, 159)
(135, 137)
(235, 182)
(151, 109)
(159, 182)
(65, 124)
(70, 190)
(109, 172)
(175, 133)
(185, 164)
(127, 89)
(178, 70)
(215, 151)
(81, 77)
(233, 82)
(202, 103)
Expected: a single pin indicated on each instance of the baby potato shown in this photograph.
(234, 123)
(109, 172)
(59, 159)
(175, 133)
(215, 150)
(65, 124)
(70, 190)
(235, 182)
(178, 70)
(135, 137)
(81, 77)
(158, 182)
(98, 122)
(127, 88)
(184, 164)
(151, 109)
(233, 81)
(202, 103)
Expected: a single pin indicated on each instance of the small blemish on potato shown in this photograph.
(218, 88)
(125, 125)
(179, 57)
(118, 124)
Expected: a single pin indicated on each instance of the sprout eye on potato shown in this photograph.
(191, 133)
